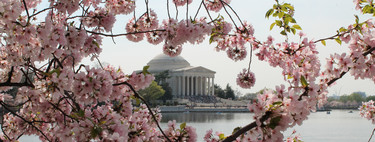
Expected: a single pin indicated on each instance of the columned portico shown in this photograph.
(185, 80)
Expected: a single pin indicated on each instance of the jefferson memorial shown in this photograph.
(185, 80)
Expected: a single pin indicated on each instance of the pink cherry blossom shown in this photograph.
(246, 79)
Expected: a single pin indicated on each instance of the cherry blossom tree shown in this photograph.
(59, 98)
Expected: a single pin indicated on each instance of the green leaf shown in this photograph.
(303, 81)
(274, 122)
(95, 131)
(368, 9)
(236, 129)
(57, 71)
(137, 101)
(272, 25)
(342, 29)
(323, 42)
(356, 19)
(293, 20)
(338, 40)
(221, 136)
(297, 27)
(81, 113)
(145, 70)
(281, 14)
(290, 77)
(287, 19)
(94, 42)
(287, 5)
(277, 103)
(283, 33)
(293, 30)
(269, 12)
(275, 14)
(183, 125)
(279, 23)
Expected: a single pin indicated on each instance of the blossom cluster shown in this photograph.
(246, 79)
(183, 133)
(367, 110)
(59, 98)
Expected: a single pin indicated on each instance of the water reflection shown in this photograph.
(340, 125)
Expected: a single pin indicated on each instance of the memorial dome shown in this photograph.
(164, 62)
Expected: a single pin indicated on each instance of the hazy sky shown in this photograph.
(318, 19)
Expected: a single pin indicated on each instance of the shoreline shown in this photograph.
(173, 109)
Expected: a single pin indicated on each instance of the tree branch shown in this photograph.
(148, 107)
(247, 128)
(372, 134)
(23, 119)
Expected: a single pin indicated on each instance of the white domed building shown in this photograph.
(185, 80)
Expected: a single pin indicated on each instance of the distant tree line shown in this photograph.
(227, 93)
(354, 100)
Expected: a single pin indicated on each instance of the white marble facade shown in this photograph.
(185, 80)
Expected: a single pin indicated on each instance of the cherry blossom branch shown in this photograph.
(169, 15)
(27, 12)
(247, 128)
(2, 126)
(199, 8)
(208, 12)
(333, 37)
(235, 13)
(230, 16)
(251, 55)
(41, 11)
(148, 107)
(23, 119)
(187, 12)
(59, 109)
(124, 34)
(343, 73)
(9, 83)
(372, 134)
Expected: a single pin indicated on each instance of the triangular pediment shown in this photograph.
(196, 69)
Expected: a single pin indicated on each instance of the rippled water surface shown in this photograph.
(338, 126)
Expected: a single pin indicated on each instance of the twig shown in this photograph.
(41, 11)
(169, 15)
(208, 12)
(27, 12)
(251, 54)
(230, 16)
(372, 134)
(23, 119)
(247, 128)
(199, 8)
(116, 35)
(187, 12)
(343, 73)
(235, 13)
(148, 107)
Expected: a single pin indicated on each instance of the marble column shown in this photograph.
(204, 86)
(178, 86)
(187, 86)
(196, 86)
(183, 86)
(191, 86)
(200, 86)
(213, 87)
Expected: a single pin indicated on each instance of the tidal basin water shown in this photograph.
(338, 126)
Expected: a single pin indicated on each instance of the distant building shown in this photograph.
(185, 80)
